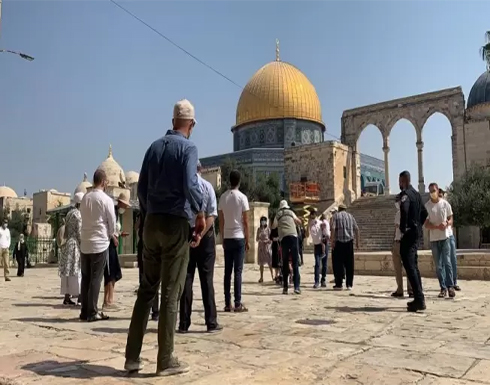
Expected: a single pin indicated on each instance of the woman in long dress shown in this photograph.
(69, 263)
(264, 249)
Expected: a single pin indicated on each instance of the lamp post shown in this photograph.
(22, 55)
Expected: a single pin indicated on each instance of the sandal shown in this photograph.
(443, 293)
(397, 294)
(261, 280)
(228, 309)
(240, 309)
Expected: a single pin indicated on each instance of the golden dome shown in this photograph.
(7, 192)
(276, 91)
(132, 177)
(114, 172)
(83, 186)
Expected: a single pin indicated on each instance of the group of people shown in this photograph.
(20, 252)
(437, 217)
(176, 232)
(88, 243)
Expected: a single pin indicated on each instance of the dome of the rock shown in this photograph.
(480, 92)
(7, 192)
(83, 185)
(278, 90)
(114, 172)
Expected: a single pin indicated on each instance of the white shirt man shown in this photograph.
(233, 222)
(233, 203)
(98, 222)
(4, 249)
(98, 226)
(438, 222)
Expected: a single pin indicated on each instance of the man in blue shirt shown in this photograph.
(169, 194)
(202, 256)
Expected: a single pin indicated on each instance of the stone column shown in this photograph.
(420, 154)
(386, 150)
(257, 210)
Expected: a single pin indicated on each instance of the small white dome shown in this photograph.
(7, 192)
(114, 172)
(83, 186)
(132, 177)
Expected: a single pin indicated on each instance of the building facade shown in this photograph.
(278, 109)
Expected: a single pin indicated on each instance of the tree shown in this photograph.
(485, 50)
(470, 198)
(18, 223)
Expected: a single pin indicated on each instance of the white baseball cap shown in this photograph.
(184, 109)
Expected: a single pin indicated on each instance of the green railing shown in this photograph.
(41, 250)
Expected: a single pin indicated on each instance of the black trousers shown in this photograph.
(289, 246)
(408, 252)
(343, 260)
(203, 258)
(154, 306)
(21, 264)
(92, 266)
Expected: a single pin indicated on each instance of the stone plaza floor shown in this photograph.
(319, 337)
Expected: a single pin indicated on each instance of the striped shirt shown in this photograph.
(210, 207)
(344, 226)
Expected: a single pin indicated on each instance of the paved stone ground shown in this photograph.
(320, 337)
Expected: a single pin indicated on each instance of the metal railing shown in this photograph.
(41, 250)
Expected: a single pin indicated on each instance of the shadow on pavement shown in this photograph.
(67, 320)
(57, 306)
(78, 369)
(118, 330)
(365, 309)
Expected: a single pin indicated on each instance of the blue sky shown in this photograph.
(101, 77)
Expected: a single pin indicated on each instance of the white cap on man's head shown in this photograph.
(184, 109)
(78, 197)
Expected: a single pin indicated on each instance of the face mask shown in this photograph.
(434, 195)
(120, 210)
(4, 225)
(263, 223)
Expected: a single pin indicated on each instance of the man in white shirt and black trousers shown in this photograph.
(202, 256)
(98, 227)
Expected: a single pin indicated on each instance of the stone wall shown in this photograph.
(43, 201)
(324, 163)
(471, 264)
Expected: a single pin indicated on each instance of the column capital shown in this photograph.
(420, 145)
(386, 149)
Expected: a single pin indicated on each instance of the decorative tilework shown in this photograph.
(317, 136)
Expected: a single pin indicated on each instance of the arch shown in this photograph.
(366, 125)
(438, 155)
(433, 111)
(395, 120)
(416, 109)
(402, 150)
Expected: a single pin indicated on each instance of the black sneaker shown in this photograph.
(182, 330)
(216, 329)
(154, 316)
(297, 291)
(415, 306)
(172, 368)
(338, 288)
(285, 291)
(324, 284)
